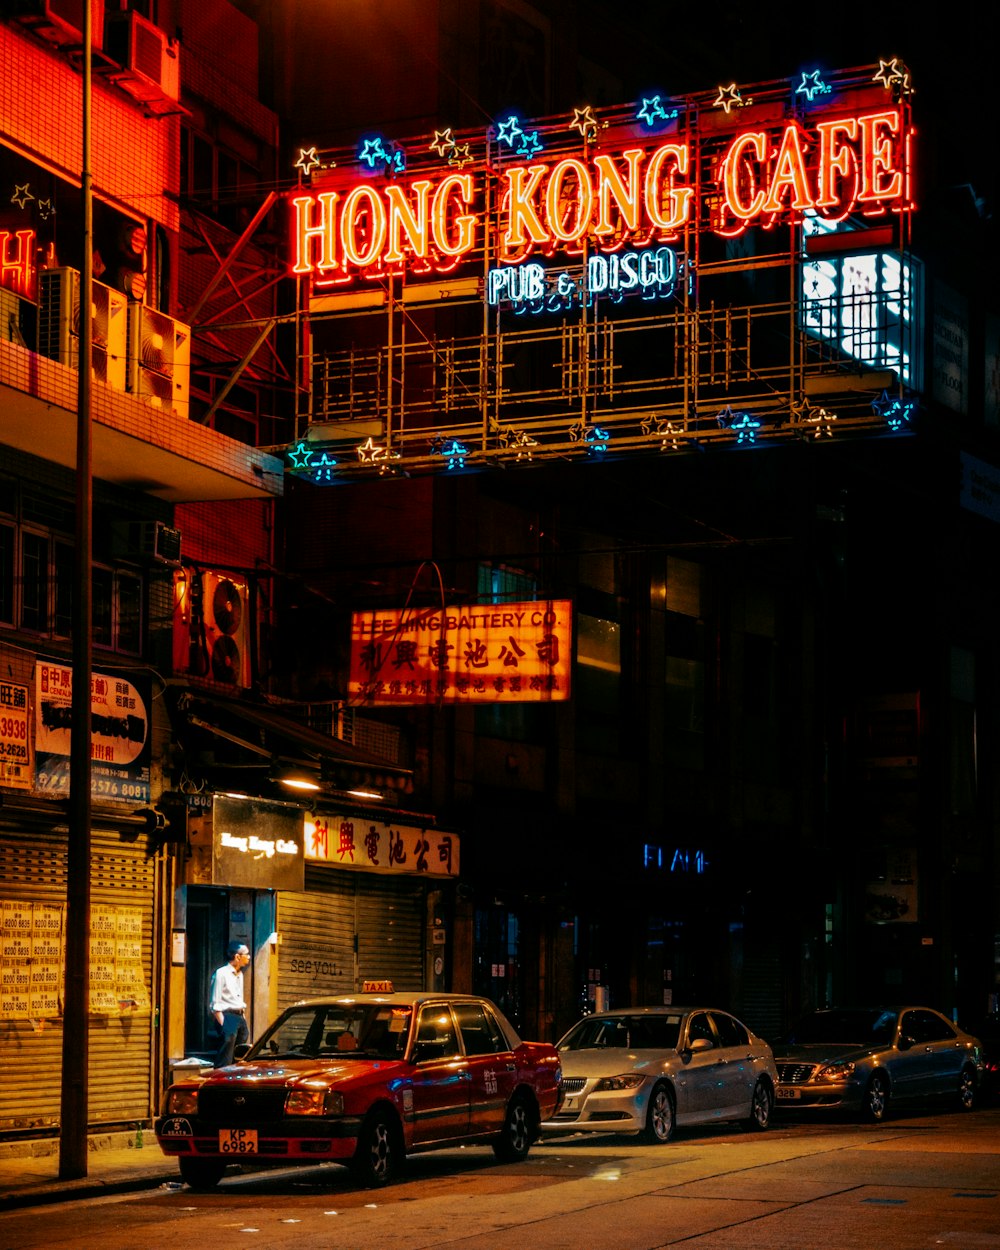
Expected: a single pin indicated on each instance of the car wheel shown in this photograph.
(761, 1105)
(660, 1116)
(515, 1138)
(201, 1173)
(876, 1103)
(379, 1156)
(967, 1089)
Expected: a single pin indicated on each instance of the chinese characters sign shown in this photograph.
(15, 763)
(480, 653)
(354, 842)
(120, 747)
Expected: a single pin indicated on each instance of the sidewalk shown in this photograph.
(116, 1163)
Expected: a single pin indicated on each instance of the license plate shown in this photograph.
(569, 1104)
(237, 1141)
(784, 1093)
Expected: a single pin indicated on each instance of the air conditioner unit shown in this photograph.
(59, 22)
(159, 359)
(212, 627)
(12, 318)
(146, 540)
(59, 324)
(148, 58)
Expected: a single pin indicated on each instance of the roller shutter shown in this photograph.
(348, 926)
(33, 870)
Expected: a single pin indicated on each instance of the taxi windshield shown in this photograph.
(340, 1030)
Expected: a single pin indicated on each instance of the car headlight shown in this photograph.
(835, 1072)
(181, 1100)
(630, 1080)
(314, 1102)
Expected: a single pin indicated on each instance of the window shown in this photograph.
(480, 1033)
(699, 1026)
(7, 535)
(731, 1032)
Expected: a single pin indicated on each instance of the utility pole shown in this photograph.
(76, 1002)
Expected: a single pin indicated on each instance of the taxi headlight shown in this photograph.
(836, 1072)
(630, 1080)
(314, 1102)
(181, 1101)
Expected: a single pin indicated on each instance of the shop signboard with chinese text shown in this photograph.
(476, 653)
(373, 845)
(15, 747)
(120, 746)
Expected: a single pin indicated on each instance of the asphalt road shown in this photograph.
(913, 1182)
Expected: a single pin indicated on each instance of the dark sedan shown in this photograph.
(863, 1059)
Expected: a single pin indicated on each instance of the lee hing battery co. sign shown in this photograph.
(477, 653)
(619, 204)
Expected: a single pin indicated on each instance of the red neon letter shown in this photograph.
(881, 177)
(836, 157)
(405, 219)
(460, 184)
(305, 231)
(19, 266)
(356, 250)
(626, 197)
(677, 200)
(522, 183)
(733, 173)
(556, 200)
(789, 174)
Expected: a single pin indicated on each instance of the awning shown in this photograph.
(237, 744)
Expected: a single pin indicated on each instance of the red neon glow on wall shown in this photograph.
(17, 262)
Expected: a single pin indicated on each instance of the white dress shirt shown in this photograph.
(227, 990)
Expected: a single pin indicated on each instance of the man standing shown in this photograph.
(228, 1004)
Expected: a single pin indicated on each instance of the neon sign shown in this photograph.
(17, 261)
(840, 164)
(532, 288)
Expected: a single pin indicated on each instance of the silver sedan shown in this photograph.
(862, 1059)
(646, 1069)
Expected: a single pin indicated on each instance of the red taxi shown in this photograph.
(363, 1079)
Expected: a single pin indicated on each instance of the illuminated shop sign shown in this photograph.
(533, 288)
(617, 201)
(256, 844)
(375, 846)
(476, 653)
(17, 262)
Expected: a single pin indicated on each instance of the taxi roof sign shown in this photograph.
(376, 987)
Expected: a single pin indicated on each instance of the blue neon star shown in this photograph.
(373, 153)
(530, 144)
(509, 131)
(812, 85)
(299, 455)
(652, 111)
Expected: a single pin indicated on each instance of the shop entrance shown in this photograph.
(210, 927)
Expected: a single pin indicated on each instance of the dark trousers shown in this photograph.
(233, 1032)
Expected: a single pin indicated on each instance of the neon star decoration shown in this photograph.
(375, 152)
(584, 121)
(662, 429)
(593, 437)
(21, 195)
(893, 410)
(517, 440)
(369, 452)
(510, 131)
(530, 144)
(812, 85)
(299, 455)
(454, 452)
(308, 161)
(460, 155)
(653, 112)
(444, 142)
(819, 419)
(730, 97)
(312, 461)
(893, 75)
(742, 424)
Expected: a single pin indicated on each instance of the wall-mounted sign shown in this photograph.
(31, 960)
(15, 744)
(353, 842)
(120, 747)
(612, 188)
(477, 653)
(256, 844)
